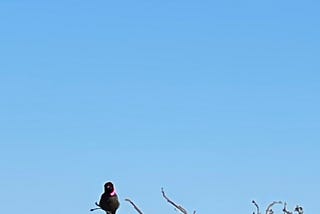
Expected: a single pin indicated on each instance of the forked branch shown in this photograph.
(269, 210)
(285, 209)
(180, 208)
(97, 208)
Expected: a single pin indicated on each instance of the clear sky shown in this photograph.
(216, 101)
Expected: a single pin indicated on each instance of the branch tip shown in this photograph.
(134, 206)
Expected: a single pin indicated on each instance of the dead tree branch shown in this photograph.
(97, 208)
(257, 206)
(134, 206)
(269, 210)
(285, 211)
(180, 208)
(299, 209)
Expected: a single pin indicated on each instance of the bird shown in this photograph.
(109, 201)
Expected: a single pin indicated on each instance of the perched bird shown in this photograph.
(109, 199)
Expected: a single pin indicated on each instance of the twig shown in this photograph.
(257, 206)
(270, 205)
(93, 209)
(180, 208)
(134, 206)
(285, 209)
(299, 209)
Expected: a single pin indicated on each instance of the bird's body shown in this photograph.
(109, 199)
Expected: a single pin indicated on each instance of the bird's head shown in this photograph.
(109, 188)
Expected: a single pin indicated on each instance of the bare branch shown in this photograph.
(285, 209)
(269, 210)
(181, 209)
(134, 206)
(299, 209)
(97, 208)
(257, 206)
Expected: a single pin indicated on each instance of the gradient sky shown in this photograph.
(216, 101)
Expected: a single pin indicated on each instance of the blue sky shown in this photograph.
(216, 101)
